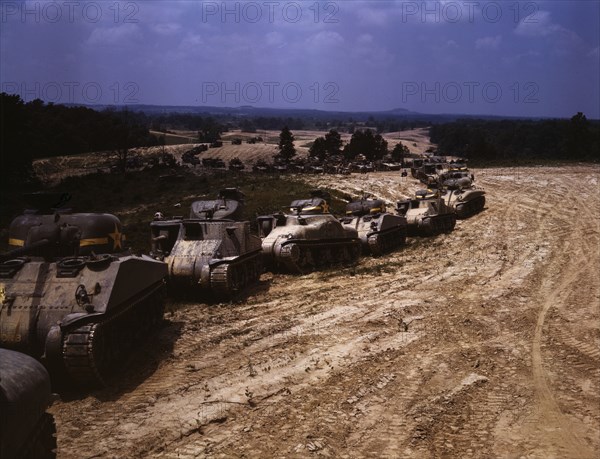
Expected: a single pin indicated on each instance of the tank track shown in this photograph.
(42, 442)
(305, 256)
(92, 352)
(384, 242)
(228, 279)
(471, 207)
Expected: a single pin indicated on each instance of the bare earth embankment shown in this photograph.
(481, 343)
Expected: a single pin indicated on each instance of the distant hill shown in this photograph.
(248, 111)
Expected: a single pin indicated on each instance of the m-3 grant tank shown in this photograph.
(211, 252)
(427, 214)
(307, 238)
(380, 232)
(26, 430)
(72, 297)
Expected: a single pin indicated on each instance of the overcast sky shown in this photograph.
(537, 58)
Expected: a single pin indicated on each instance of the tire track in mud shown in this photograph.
(561, 434)
(321, 364)
(498, 400)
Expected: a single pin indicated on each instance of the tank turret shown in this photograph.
(309, 237)
(379, 231)
(212, 252)
(73, 297)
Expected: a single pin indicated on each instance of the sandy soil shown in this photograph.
(481, 343)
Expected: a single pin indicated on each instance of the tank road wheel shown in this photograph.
(86, 355)
(375, 245)
(223, 281)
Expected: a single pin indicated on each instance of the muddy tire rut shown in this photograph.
(481, 343)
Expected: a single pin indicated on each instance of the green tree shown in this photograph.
(333, 142)
(399, 152)
(286, 144)
(363, 142)
(578, 135)
(318, 149)
(15, 141)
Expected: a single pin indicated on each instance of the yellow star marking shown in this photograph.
(116, 236)
(325, 208)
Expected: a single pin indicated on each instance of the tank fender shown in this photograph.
(204, 277)
(77, 319)
(53, 347)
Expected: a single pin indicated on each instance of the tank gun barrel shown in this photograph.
(22, 251)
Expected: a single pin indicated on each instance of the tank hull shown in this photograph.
(431, 225)
(467, 203)
(81, 316)
(306, 243)
(379, 234)
(427, 217)
(209, 257)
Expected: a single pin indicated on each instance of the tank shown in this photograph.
(309, 237)
(73, 297)
(427, 214)
(380, 232)
(210, 253)
(455, 179)
(465, 202)
(428, 173)
(26, 429)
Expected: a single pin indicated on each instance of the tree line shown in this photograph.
(520, 140)
(363, 142)
(35, 130)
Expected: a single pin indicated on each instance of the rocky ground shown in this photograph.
(481, 343)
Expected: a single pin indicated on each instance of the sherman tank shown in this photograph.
(309, 237)
(26, 429)
(72, 297)
(211, 252)
(427, 214)
(466, 202)
(380, 232)
(454, 180)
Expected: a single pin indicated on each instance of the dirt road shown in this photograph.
(481, 343)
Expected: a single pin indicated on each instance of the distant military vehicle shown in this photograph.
(415, 164)
(427, 214)
(261, 166)
(307, 238)
(455, 179)
(236, 164)
(26, 430)
(211, 252)
(379, 231)
(428, 173)
(465, 201)
(70, 294)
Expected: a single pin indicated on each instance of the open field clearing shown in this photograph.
(481, 343)
(53, 170)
